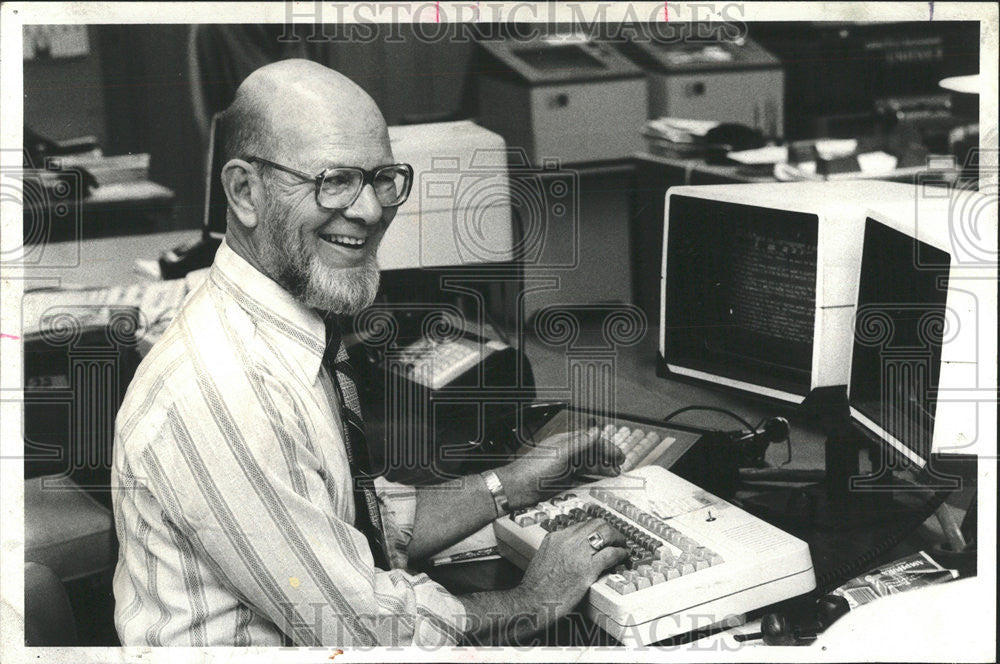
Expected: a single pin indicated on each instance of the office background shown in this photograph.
(133, 88)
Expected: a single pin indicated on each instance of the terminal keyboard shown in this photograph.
(694, 560)
(436, 364)
(642, 443)
(639, 445)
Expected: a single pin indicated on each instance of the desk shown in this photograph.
(639, 392)
(116, 208)
(99, 262)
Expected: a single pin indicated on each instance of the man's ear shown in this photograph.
(239, 181)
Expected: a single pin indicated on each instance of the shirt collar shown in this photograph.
(270, 305)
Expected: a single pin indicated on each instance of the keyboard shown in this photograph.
(642, 443)
(639, 445)
(436, 364)
(694, 560)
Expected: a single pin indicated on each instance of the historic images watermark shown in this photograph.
(50, 201)
(434, 22)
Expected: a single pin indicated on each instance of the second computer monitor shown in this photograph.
(924, 363)
(758, 282)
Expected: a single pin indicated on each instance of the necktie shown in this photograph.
(367, 518)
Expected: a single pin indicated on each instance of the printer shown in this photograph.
(708, 74)
(459, 210)
(564, 97)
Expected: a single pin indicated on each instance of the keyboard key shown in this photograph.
(664, 554)
(701, 564)
(632, 441)
(524, 520)
(642, 582)
(716, 559)
(686, 568)
(547, 525)
(673, 573)
(657, 577)
(620, 584)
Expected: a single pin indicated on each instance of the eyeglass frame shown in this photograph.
(367, 178)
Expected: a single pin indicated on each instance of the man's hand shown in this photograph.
(557, 463)
(566, 564)
(556, 580)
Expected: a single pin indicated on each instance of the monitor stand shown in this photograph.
(850, 496)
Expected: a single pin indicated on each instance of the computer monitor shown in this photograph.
(214, 216)
(758, 283)
(923, 373)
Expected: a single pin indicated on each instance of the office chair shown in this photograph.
(48, 616)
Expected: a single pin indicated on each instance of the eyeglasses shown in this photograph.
(338, 188)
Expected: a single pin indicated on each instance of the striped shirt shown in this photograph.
(233, 497)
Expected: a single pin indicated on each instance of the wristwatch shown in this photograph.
(495, 486)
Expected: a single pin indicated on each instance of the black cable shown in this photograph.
(863, 563)
(713, 409)
(765, 475)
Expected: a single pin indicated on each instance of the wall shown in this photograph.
(146, 85)
(64, 98)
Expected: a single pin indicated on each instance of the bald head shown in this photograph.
(290, 105)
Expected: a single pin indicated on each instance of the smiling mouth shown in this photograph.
(345, 241)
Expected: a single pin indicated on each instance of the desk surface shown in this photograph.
(698, 171)
(98, 262)
(637, 391)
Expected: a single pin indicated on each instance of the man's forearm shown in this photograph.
(505, 617)
(447, 512)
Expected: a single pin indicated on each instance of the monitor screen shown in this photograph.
(898, 335)
(215, 198)
(741, 292)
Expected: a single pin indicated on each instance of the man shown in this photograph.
(238, 520)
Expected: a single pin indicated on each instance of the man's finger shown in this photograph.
(609, 556)
(603, 457)
(583, 439)
(611, 535)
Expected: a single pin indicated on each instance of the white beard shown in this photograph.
(291, 260)
(346, 291)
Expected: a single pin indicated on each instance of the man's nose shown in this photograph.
(366, 209)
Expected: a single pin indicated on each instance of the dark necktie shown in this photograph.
(367, 518)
